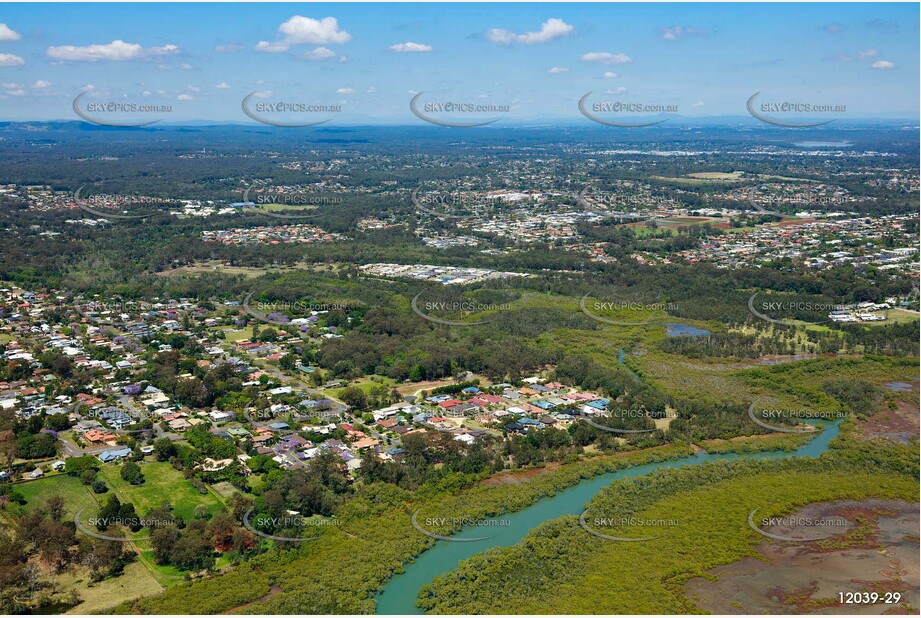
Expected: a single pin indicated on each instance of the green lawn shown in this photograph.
(136, 581)
(163, 484)
(283, 207)
(76, 495)
(165, 575)
(233, 334)
(897, 316)
(225, 490)
(366, 384)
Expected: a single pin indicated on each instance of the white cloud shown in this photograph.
(185, 97)
(193, 88)
(551, 29)
(229, 48)
(19, 92)
(263, 94)
(618, 90)
(883, 64)
(41, 84)
(8, 34)
(9, 85)
(676, 32)
(305, 30)
(88, 87)
(409, 47)
(10, 60)
(371, 90)
(223, 86)
(606, 58)
(320, 53)
(863, 55)
(557, 70)
(698, 104)
(117, 50)
(832, 28)
(610, 75)
(272, 48)
(345, 91)
(185, 66)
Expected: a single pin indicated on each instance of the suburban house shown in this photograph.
(114, 454)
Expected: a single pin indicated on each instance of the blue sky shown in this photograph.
(538, 59)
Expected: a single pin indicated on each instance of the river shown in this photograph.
(400, 593)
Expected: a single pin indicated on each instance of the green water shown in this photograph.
(400, 593)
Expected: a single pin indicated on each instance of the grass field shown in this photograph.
(136, 581)
(716, 175)
(163, 484)
(76, 495)
(215, 266)
(225, 490)
(365, 384)
(701, 178)
(897, 316)
(233, 334)
(283, 207)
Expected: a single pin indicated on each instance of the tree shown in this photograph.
(221, 528)
(164, 449)
(163, 541)
(194, 547)
(108, 513)
(287, 362)
(37, 446)
(54, 506)
(131, 472)
(57, 422)
(354, 397)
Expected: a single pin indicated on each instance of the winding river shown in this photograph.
(400, 593)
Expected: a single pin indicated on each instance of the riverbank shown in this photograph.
(400, 594)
